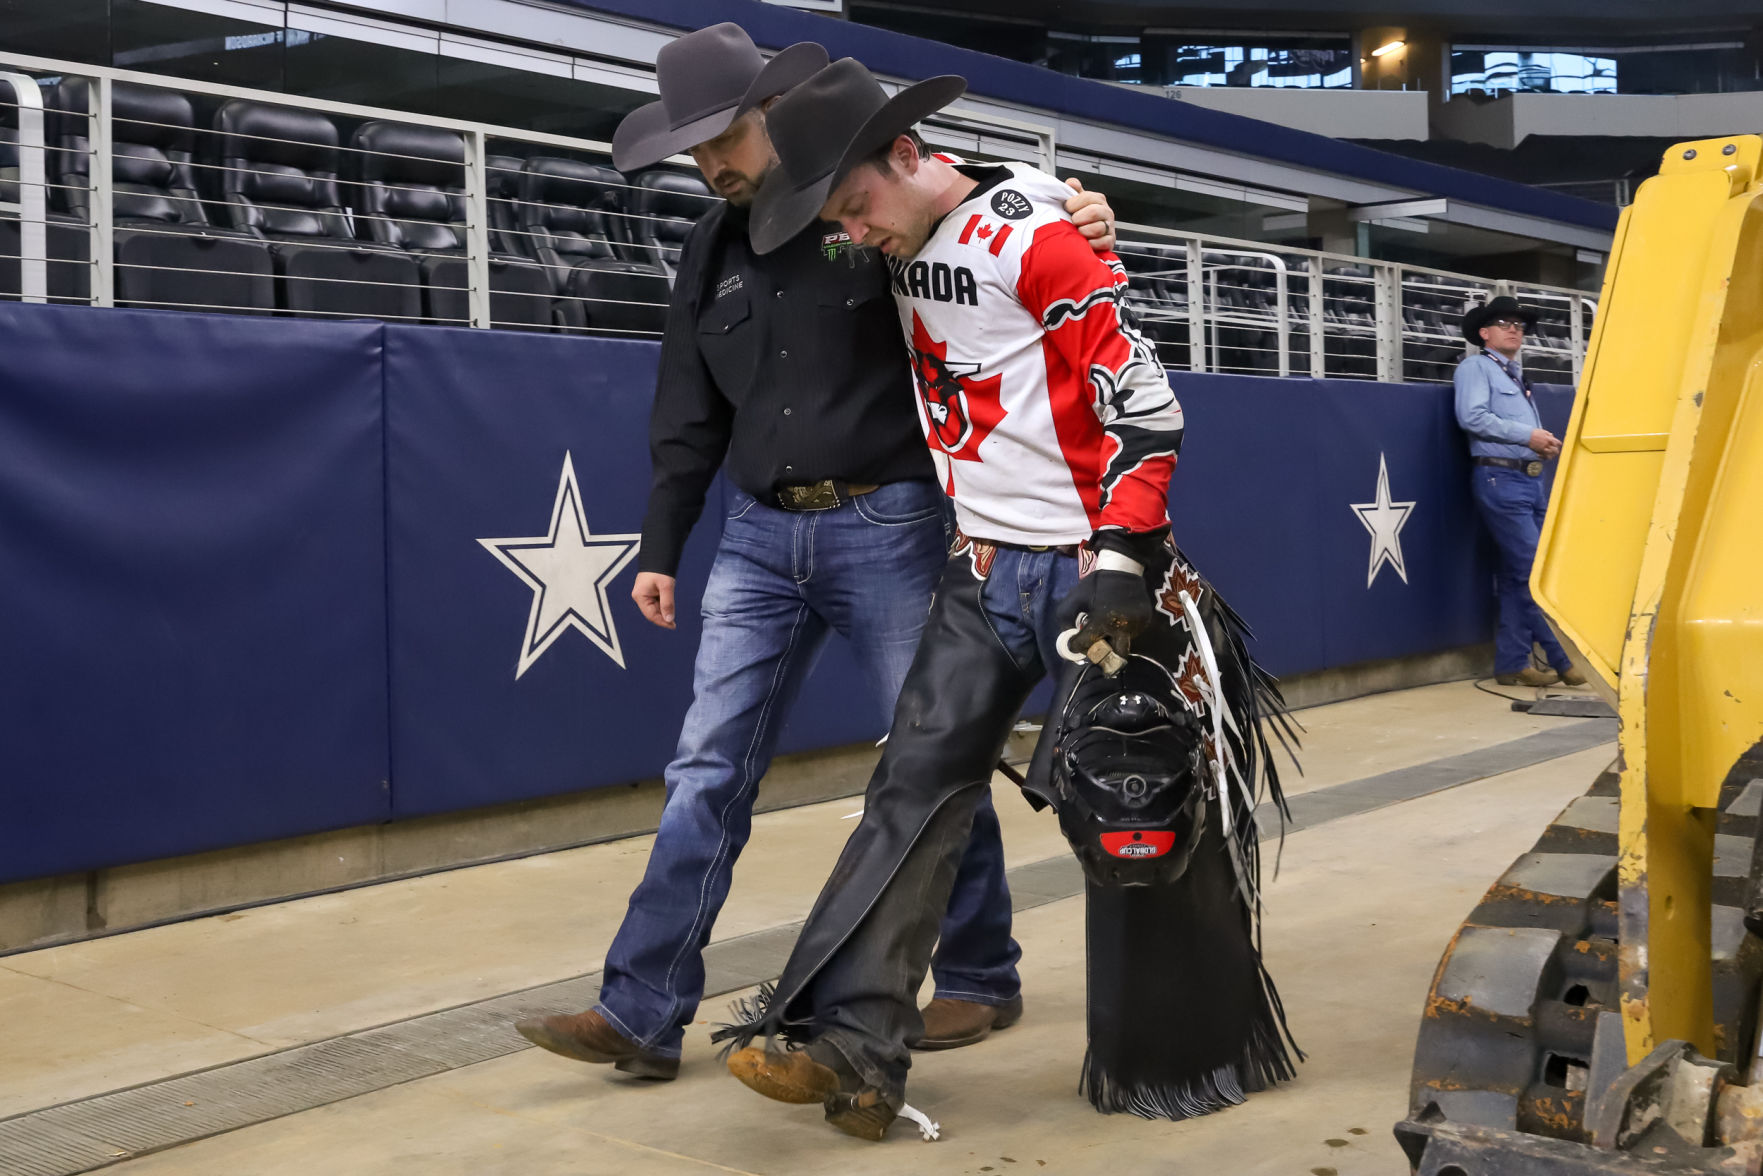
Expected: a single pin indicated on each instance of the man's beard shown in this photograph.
(745, 190)
(740, 195)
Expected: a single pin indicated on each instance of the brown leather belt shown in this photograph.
(1070, 549)
(1533, 469)
(825, 494)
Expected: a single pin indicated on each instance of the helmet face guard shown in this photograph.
(1131, 777)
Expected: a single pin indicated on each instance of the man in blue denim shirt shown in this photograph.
(1508, 446)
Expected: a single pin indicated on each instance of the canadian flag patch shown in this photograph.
(980, 231)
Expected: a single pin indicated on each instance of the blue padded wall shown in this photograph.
(478, 424)
(192, 611)
(248, 593)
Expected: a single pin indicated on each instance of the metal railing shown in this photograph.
(1246, 307)
(317, 212)
(1619, 191)
(158, 198)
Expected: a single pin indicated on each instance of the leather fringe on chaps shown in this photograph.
(1183, 1020)
(752, 1012)
(1182, 1016)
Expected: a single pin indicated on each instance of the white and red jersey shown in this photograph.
(1050, 414)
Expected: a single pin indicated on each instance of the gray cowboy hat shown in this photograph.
(1501, 307)
(822, 129)
(707, 79)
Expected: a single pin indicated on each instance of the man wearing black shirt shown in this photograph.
(788, 372)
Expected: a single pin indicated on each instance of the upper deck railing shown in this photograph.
(126, 189)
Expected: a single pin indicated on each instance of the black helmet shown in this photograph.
(1131, 776)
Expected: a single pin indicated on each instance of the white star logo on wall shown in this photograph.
(1384, 519)
(568, 571)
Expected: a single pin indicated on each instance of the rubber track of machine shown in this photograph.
(1522, 1019)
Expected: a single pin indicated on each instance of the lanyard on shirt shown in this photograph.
(1512, 371)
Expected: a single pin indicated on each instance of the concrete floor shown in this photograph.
(1358, 915)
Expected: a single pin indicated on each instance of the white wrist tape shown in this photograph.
(1113, 561)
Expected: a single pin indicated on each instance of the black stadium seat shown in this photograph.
(665, 206)
(502, 174)
(167, 254)
(68, 273)
(280, 184)
(565, 209)
(1157, 293)
(1351, 317)
(412, 197)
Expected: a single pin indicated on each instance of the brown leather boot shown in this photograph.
(588, 1037)
(1528, 676)
(865, 1114)
(1572, 677)
(789, 1076)
(796, 1076)
(951, 1024)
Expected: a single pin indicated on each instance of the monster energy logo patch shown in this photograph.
(834, 244)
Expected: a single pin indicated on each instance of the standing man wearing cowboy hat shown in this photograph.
(1508, 446)
(787, 372)
(1059, 432)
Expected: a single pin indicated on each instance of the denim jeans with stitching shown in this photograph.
(1512, 504)
(782, 581)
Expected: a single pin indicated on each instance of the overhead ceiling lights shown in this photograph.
(1390, 47)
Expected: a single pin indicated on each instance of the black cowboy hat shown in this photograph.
(707, 79)
(1501, 307)
(823, 128)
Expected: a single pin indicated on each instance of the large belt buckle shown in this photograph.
(1534, 468)
(822, 495)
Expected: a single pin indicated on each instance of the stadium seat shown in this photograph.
(502, 173)
(166, 252)
(68, 273)
(664, 207)
(565, 209)
(412, 197)
(1157, 296)
(1244, 306)
(1350, 318)
(279, 183)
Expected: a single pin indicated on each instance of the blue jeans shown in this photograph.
(782, 581)
(1021, 597)
(1512, 504)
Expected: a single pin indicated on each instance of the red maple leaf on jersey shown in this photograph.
(984, 232)
(962, 411)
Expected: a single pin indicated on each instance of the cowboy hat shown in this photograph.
(825, 127)
(707, 79)
(1501, 307)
